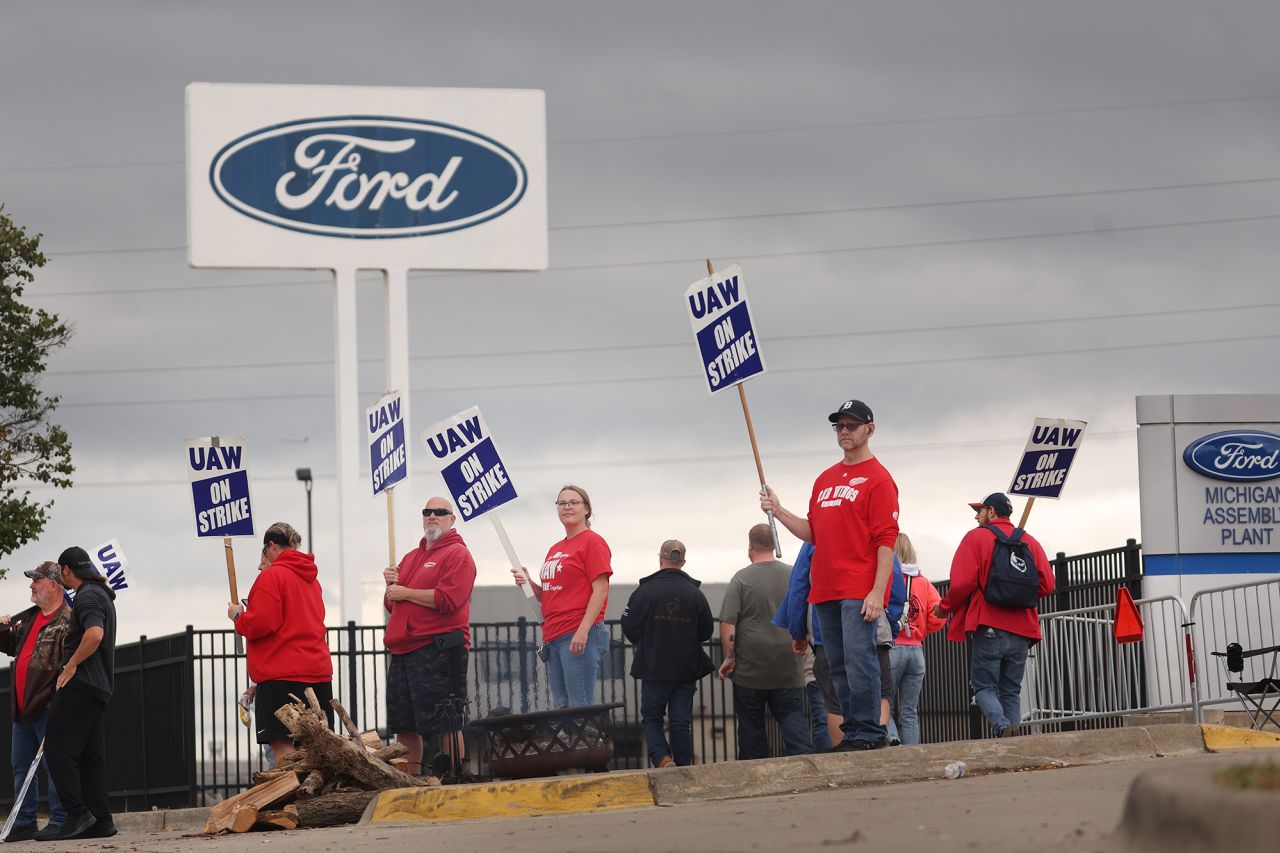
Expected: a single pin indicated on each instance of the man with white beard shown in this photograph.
(428, 598)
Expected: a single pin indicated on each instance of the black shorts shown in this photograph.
(271, 695)
(886, 672)
(427, 690)
(822, 674)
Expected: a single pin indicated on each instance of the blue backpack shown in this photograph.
(897, 597)
(1012, 579)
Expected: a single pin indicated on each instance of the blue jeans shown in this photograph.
(24, 744)
(821, 737)
(996, 663)
(908, 680)
(572, 678)
(850, 643)
(673, 700)
(786, 704)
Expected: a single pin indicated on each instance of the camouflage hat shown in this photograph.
(48, 569)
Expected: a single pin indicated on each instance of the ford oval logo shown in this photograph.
(368, 176)
(1245, 455)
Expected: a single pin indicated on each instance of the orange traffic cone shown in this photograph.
(1128, 621)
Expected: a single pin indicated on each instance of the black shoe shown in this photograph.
(75, 826)
(859, 745)
(21, 832)
(49, 832)
(103, 827)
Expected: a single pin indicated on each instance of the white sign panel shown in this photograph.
(463, 449)
(721, 319)
(219, 487)
(110, 561)
(374, 177)
(1047, 459)
(388, 454)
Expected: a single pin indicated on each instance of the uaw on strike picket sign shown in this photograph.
(722, 326)
(388, 454)
(475, 475)
(1047, 459)
(219, 487)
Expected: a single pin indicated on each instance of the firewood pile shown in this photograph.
(329, 781)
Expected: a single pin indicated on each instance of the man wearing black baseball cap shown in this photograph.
(852, 522)
(1001, 632)
(76, 745)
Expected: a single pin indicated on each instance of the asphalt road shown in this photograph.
(1067, 810)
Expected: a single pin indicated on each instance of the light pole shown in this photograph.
(304, 474)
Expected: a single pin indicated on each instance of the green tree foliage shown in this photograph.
(32, 449)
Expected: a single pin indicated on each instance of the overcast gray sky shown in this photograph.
(968, 215)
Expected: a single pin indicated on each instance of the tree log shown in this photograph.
(390, 752)
(342, 757)
(334, 809)
(286, 818)
(268, 795)
(347, 722)
(372, 740)
(311, 785)
(313, 702)
(267, 775)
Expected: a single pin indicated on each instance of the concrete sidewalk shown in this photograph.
(739, 779)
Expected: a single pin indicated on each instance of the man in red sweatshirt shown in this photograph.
(1001, 636)
(428, 633)
(852, 522)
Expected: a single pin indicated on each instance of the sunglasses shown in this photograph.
(440, 511)
(847, 427)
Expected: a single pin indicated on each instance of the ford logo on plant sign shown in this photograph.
(1244, 455)
(368, 176)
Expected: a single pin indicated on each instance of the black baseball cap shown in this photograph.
(998, 501)
(853, 409)
(77, 560)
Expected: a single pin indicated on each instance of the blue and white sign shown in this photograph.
(219, 487)
(110, 561)
(368, 177)
(388, 453)
(357, 176)
(1243, 456)
(1047, 459)
(464, 451)
(723, 329)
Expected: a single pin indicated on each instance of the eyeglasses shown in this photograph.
(566, 504)
(440, 511)
(847, 427)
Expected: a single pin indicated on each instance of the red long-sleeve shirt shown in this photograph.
(447, 567)
(969, 568)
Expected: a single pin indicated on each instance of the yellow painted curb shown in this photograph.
(512, 799)
(1229, 737)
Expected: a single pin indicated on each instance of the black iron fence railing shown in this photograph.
(176, 738)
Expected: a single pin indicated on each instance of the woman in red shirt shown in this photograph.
(573, 592)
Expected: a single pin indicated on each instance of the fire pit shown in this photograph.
(522, 746)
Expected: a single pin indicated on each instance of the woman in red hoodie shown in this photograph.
(283, 625)
(907, 655)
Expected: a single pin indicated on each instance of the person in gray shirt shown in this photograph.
(758, 656)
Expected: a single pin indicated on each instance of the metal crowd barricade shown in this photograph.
(1244, 613)
(1078, 672)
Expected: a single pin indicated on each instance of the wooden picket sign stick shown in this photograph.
(755, 450)
(391, 528)
(231, 583)
(511, 553)
(1026, 512)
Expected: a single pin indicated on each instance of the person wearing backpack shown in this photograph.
(998, 575)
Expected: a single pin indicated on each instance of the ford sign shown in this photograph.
(1242, 455)
(368, 176)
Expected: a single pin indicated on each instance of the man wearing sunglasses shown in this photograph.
(853, 524)
(428, 600)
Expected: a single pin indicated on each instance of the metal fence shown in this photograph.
(1244, 613)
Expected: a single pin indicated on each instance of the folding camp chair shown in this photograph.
(1261, 699)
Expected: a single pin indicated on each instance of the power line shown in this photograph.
(763, 131)
(1172, 312)
(684, 377)
(561, 465)
(1003, 199)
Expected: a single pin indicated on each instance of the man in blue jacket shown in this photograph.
(668, 620)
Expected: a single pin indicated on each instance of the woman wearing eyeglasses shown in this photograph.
(573, 593)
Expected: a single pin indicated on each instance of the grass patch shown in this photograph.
(1257, 777)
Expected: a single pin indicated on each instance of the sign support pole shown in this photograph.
(1026, 512)
(231, 583)
(26, 786)
(391, 527)
(511, 553)
(755, 450)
